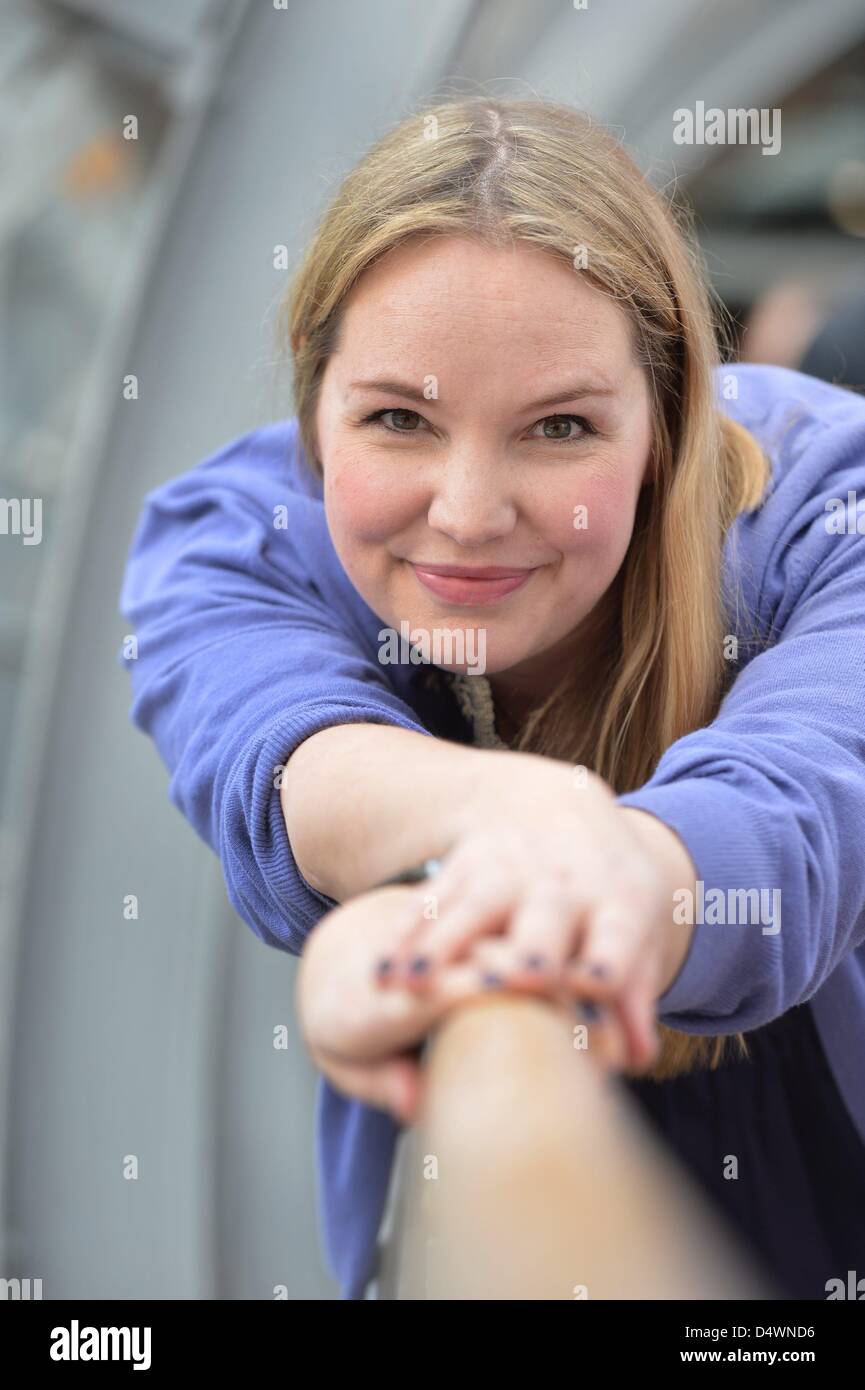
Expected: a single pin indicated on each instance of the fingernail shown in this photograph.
(384, 967)
(590, 1010)
(419, 964)
(491, 980)
(535, 962)
(599, 971)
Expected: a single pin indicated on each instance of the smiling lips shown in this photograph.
(463, 585)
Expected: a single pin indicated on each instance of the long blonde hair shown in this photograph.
(540, 172)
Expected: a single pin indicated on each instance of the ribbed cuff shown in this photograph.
(263, 879)
(727, 965)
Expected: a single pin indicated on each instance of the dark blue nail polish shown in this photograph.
(384, 967)
(490, 980)
(591, 1011)
(535, 962)
(419, 964)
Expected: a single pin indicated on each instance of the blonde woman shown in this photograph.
(536, 596)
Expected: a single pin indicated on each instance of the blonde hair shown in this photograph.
(528, 170)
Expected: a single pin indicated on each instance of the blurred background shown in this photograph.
(154, 255)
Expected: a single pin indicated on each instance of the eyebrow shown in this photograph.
(572, 392)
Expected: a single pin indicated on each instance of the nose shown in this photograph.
(473, 502)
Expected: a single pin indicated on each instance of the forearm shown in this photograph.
(363, 801)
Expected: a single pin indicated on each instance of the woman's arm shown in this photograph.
(557, 865)
(770, 797)
(363, 801)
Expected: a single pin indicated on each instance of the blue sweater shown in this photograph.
(251, 638)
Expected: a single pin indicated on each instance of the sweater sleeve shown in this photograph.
(240, 657)
(771, 795)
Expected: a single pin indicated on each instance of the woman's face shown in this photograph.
(513, 436)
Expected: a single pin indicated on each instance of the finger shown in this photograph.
(397, 1018)
(453, 984)
(423, 908)
(613, 936)
(397, 944)
(497, 967)
(543, 933)
(387, 965)
(599, 1030)
(604, 1035)
(394, 1085)
(638, 1011)
(485, 910)
(392, 1082)
(492, 961)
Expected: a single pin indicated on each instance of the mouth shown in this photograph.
(464, 585)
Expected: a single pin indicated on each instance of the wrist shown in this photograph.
(678, 872)
(498, 779)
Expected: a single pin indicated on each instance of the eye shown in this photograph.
(558, 421)
(408, 423)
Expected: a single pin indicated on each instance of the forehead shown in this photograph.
(447, 296)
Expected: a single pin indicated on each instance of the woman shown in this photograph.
(517, 456)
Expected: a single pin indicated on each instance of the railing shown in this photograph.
(533, 1176)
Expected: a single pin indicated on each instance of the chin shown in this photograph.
(499, 658)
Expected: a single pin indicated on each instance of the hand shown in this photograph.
(554, 885)
(358, 1035)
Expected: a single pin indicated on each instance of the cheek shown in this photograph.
(592, 524)
(363, 505)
